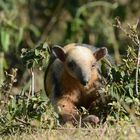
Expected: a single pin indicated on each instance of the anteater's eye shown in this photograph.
(93, 65)
(71, 64)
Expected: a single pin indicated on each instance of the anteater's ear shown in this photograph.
(100, 53)
(59, 52)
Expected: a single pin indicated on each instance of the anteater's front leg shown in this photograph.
(66, 109)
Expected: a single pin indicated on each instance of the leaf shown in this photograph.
(117, 74)
(122, 73)
(104, 70)
(131, 92)
(128, 100)
(5, 40)
(45, 45)
(36, 52)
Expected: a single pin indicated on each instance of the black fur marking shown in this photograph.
(56, 86)
(51, 60)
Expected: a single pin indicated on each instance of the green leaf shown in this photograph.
(128, 100)
(104, 70)
(122, 73)
(36, 52)
(5, 40)
(131, 92)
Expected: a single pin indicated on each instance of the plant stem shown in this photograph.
(137, 69)
(33, 82)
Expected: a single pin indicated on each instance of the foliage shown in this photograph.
(23, 112)
(123, 84)
(121, 87)
(36, 56)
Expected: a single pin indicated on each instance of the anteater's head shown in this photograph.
(79, 61)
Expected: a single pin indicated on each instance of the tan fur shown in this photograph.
(75, 91)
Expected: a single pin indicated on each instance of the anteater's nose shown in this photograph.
(84, 82)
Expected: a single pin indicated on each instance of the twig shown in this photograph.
(137, 69)
(32, 82)
(23, 122)
(1, 68)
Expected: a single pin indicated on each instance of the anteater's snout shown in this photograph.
(84, 82)
(85, 78)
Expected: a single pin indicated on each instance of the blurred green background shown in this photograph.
(26, 23)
